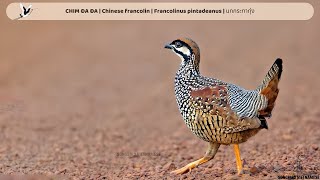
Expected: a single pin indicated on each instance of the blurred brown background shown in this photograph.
(94, 99)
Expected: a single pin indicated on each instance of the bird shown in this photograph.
(25, 11)
(219, 112)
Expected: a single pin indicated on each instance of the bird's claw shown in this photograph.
(185, 169)
(181, 171)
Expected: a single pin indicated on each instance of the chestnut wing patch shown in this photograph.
(211, 105)
(212, 99)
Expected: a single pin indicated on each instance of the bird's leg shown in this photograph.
(238, 158)
(210, 153)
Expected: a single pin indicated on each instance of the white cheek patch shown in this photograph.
(184, 50)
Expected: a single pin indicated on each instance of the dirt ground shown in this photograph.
(95, 99)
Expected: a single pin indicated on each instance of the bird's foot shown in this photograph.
(190, 166)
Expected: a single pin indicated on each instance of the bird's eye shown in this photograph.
(178, 45)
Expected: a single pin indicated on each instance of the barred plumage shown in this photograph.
(246, 103)
(217, 111)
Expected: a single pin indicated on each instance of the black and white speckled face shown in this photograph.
(182, 49)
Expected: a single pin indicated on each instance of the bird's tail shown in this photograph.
(269, 87)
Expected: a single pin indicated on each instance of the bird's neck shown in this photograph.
(185, 79)
(187, 72)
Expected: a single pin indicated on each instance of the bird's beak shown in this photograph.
(168, 46)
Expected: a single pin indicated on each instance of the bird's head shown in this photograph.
(187, 50)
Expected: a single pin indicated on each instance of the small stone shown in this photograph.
(287, 163)
(261, 166)
(207, 171)
(253, 152)
(276, 168)
(269, 168)
(63, 171)
(184, 177)
(137, 166)
(287, 137)
(315, 147)
(254, 170)
(210, 165)
(158, 168)
(265, 173)
(189, 158)
(218, 169)
(169, 166)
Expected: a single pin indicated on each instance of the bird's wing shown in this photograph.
(246, 103)
(211, 106)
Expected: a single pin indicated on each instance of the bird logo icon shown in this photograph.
(25, 11)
